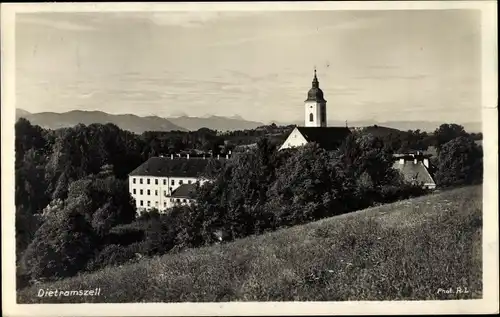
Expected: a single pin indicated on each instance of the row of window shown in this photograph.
(141, 191)
(178, 200)
(148, 181)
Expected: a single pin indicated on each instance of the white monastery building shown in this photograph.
(162, 182)
(315, 127)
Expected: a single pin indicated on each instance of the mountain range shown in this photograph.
(136, 124)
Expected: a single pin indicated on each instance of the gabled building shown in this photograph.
(315, 127)
(329, 138)
(415, 168)
(158, 182)
(184, 195)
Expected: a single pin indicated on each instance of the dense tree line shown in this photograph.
(74, 212)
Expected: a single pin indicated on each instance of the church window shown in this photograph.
(311, 117)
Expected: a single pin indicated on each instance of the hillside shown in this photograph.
(405, 250)
(52, 120)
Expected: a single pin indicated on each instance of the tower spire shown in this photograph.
(315, 82)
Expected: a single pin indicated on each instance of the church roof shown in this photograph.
(315, 93)
(328, 138)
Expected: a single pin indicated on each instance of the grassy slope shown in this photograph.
(405, 250)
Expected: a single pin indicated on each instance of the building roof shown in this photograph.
(328, 138)
(315, 93)
(414, 172)
(171, 167)
(185, 191)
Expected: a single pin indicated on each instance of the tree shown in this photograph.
(447, 132)
(61, 247)
(308, 187)
(460, 162)
(111, 203)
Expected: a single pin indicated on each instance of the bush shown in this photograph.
(127, 234)
(111, 255)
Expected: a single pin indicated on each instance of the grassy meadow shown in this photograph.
(407, 250)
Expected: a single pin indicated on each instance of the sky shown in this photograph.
(407, 65)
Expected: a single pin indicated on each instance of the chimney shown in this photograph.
(218, 156)
(187, 156)
(171, 156)
(415, 161)
(402, 161)
(227, 156)
(426, 162)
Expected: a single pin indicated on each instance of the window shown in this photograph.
(164, 204)
(140, 180)
(149, 192)
(156, 204)
(311, 117)
(156, 181)
(177, 199)
(149, 203)
(133, 190)
(165, 193)
(164, 182)
(156, 192)
(171, 200)
(183, 200)
(180, 181)
(189, 182)
(142, 203)
(149, 181)
(133, 180)
(172, 182)
(140, 191)
(170, 189)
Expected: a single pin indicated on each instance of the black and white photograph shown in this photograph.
(249, 158)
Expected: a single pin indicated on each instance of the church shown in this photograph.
(315, 128)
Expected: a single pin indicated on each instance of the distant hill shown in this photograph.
(52, 120)
(138, 124)
(428, 126)
(215, 123)
(380, 131)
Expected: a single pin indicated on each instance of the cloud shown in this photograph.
(186, 19)
(391, 77)
(354, 24)
(53, 23)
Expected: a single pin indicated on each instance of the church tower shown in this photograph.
(315, 106)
